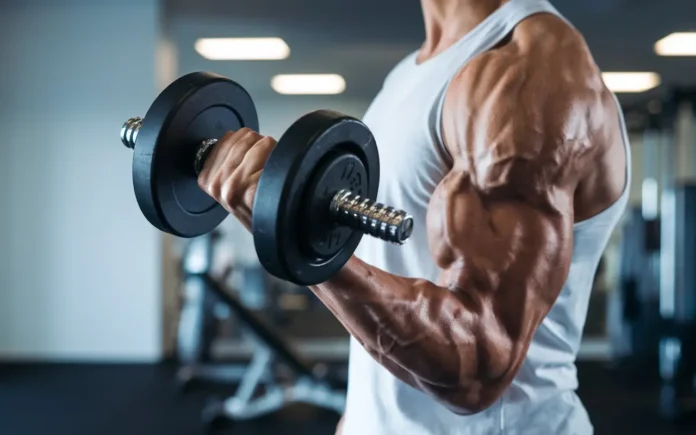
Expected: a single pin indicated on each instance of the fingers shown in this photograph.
(250, 192)
(224, 169)
(239, 186)
(255, 158)
(217, 148)
(233, 167)
(225, 156)
(230, 150)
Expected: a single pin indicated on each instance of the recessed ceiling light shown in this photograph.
(308, 84)
(242, 48)
(677, 44)
(621, 82)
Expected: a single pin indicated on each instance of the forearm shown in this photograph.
(426, 335)
(423, 333)
(457, 342)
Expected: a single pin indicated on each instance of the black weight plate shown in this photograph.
(195, 107)
(321, 237)
(279, 205)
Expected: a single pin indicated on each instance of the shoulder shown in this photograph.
(542, 53)
(534, 105)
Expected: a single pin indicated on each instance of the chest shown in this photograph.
(404, 118)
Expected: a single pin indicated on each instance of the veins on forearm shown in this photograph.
(423, 329)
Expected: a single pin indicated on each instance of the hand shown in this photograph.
(231, 172)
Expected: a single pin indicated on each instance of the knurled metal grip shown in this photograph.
(202, 153)
(372, 218)
(129, 131)
(129, 134)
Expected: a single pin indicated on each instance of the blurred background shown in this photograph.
(105, 323)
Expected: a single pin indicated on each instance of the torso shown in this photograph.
(410, 122)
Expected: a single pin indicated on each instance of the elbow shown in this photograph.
(483, 390)
(470, 407)
(466, 409)
(474, 400)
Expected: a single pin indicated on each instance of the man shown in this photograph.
(502, 140)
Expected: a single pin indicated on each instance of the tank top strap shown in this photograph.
(484, 37)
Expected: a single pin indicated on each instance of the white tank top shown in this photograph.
(405, 119)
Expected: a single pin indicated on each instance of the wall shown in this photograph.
(79, 265)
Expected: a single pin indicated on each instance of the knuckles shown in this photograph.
(231, 190)
(228, 185)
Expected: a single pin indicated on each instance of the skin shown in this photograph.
(536, 146)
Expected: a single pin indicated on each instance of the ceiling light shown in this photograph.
(242, 48)
(631, 81)
(308, 84)
(677, 44)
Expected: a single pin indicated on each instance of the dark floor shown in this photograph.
(134, 400)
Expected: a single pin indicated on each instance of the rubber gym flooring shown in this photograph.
(74, 399)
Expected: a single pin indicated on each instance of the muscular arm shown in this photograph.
(499, 226)
(536, 145)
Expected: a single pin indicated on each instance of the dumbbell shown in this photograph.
(315, 197)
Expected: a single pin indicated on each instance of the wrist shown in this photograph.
(345, 278)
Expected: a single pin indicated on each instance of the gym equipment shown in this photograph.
(635, 330)
(275, 377)
(678, 344)
(189, 111)
(678, 252)
(315, 197)
(260, 391)
(658, 252)
(198, 322)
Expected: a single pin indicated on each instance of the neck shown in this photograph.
(447, 21)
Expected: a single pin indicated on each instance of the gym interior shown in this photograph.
(109, 325)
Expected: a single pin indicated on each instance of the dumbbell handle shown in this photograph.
(346, 208)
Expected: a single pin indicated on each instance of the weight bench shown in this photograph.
(197, 320)
(251, 400)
